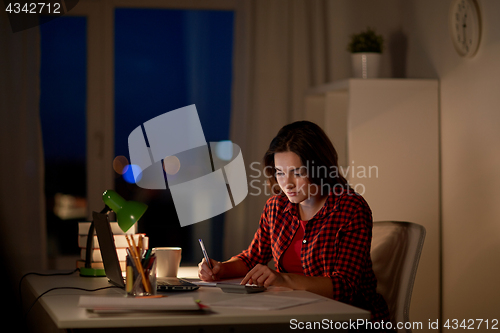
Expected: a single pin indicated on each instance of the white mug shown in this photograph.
(168, 260)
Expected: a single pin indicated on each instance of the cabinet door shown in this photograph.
(386, 132)
(393, 140)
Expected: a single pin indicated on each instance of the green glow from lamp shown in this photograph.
(127, 214)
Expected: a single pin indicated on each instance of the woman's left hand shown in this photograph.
(262, 275)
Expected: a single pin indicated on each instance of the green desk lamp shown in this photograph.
(127, 214)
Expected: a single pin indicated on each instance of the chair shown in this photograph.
(395, 253)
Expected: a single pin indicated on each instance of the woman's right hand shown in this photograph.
(207, 274)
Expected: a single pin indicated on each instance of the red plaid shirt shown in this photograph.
(336, 244)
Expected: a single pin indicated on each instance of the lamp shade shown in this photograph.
(127, 212)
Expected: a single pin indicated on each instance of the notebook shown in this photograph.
(112, 264)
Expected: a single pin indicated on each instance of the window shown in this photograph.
(63, 118)
(164, 60)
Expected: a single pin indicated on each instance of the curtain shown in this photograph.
(281, 49)
(22, 211)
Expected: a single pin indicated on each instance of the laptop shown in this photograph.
(112, 264)
(174, 284)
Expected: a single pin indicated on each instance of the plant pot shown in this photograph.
(366, 65)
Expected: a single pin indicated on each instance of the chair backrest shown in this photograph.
(395, 253)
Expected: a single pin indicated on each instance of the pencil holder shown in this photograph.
(135, 284)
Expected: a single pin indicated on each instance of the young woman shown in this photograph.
(315, 227)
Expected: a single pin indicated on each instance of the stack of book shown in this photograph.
(120, 244)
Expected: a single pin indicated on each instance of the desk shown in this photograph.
(61, 307)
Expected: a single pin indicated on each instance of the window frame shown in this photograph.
(100, 82)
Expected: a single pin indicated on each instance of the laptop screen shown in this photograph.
(108, 249)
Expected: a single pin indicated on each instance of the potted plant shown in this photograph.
(366, 48)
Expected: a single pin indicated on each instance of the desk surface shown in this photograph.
(61, 306)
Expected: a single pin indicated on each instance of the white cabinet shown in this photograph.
(386, 132)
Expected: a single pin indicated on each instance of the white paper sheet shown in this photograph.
(103, 303)
(264, 302)
(212, 284)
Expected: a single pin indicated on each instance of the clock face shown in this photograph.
(465, 27)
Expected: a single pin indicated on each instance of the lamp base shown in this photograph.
(92, 272)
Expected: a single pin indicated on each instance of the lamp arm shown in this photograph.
(90, 240)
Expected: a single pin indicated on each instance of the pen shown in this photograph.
(139, 246)
(205, 254)
(151, 296)
(147, 255)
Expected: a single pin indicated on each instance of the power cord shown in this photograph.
(52, 289)
(57, 288)
(38, 274)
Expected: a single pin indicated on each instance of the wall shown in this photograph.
(388, 17)
(354, 16)
(470, 153)
(419, 46)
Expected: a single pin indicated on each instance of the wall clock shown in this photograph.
(465, 26)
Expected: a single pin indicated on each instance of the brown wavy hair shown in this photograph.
(316, 151)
